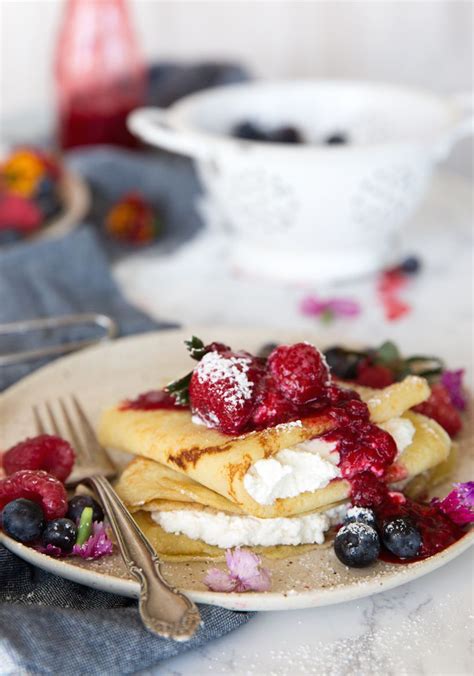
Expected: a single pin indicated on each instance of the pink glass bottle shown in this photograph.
(100, 75)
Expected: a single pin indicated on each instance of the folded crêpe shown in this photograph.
(220, 462)
(150, 490)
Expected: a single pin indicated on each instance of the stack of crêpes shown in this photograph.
(195, 492)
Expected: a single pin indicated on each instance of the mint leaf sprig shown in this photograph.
(389, 355)
(179, 389)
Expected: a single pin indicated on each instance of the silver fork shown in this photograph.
(164, 610)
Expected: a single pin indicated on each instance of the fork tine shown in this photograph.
(53, 420)
(89, 435)
(80, 448)
(40, 428)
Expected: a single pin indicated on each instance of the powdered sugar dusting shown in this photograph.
(216, 368)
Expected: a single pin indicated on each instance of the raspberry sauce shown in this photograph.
(152, 401)
(437, 530)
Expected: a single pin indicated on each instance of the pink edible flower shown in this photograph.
(311, 306)
(459, 504)
(244, 573)
(452, 382)
(99, 544)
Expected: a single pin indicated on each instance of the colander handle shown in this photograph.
(464, 102)
(153, 125)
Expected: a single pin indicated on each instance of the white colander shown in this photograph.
(312, 212)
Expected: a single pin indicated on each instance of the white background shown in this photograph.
(418, 42)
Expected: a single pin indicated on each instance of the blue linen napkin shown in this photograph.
(49, 625)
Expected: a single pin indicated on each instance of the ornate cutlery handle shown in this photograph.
(164, 610)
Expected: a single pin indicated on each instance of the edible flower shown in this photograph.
(244, 573)
(98, 544)
(132, 220)
(452, 382)
(329, 309)
(50, 549)
(459, 504)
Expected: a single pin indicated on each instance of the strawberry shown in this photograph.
(440, 408)
(299, 371)
(223, 388)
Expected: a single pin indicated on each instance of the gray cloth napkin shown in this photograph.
(47, 624)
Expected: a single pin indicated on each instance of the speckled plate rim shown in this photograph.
(248, 601)
(245, 602)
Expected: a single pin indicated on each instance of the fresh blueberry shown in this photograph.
(46, 198)
(286, 135)
(401, 537)
(77, 504)
(336, 139)
(60, 533)
(361, 515)
(411, 265)
(249, 131)
(357, 545)
(343, 363)
(23, 520)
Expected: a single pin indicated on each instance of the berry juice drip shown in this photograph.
(152, 401)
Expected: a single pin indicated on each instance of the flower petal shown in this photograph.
(260, 583)
(344, 307)
(452, 381)
(50, 549)
(219, 580)
(99, 544)
(311, 306)
(242, 563)
(459, 504)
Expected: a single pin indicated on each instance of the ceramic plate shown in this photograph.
(102, 375)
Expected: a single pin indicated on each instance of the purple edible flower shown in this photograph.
(99, 544)
(452, 382)
(459, 504)
(244, 573)
(50, 549)
(311, 306)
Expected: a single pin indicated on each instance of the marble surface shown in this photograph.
(424, 627)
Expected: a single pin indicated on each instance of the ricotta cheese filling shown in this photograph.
(309, 465)
(225, 530)
(401, 430)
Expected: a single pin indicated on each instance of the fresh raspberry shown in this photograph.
(38, 486)
(47, 452)
(363, 447)
(367, 490)
(374, 375)
(223, 389)
(271, 406)
(440, 408)
(300, 372)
